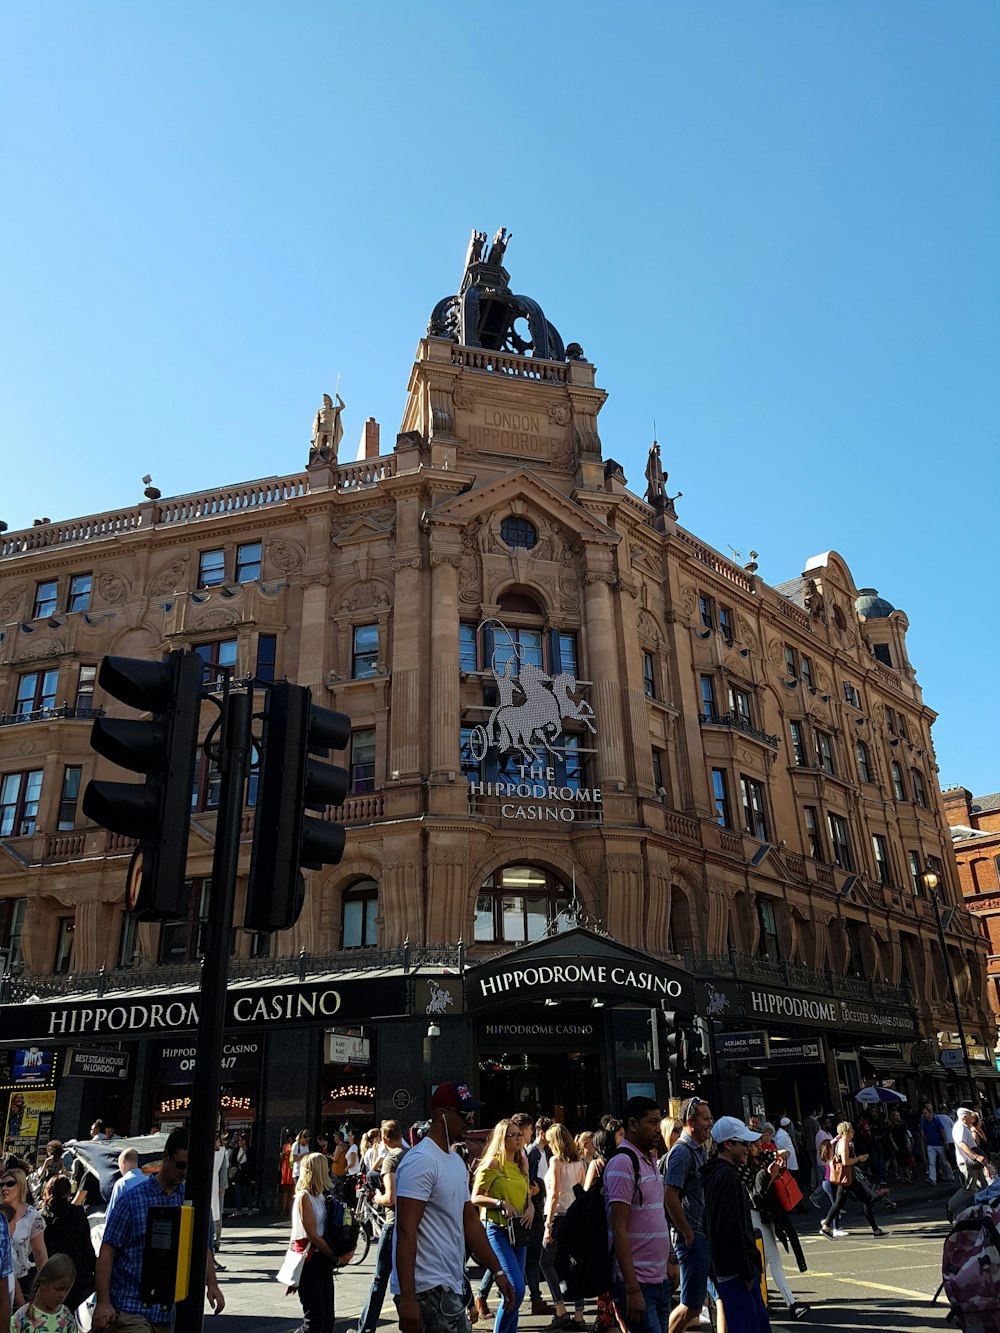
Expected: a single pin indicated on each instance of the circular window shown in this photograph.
(518, 532)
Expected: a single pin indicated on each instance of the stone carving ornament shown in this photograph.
(219, 619)
(559, 414)
(286, 555)
(35, 648)
(463, 397)
(647, 628)
(366, 595)
(10, 603)
(112, 587)
(170, 578)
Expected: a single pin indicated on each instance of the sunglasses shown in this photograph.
(8, 1184)
(178, 1166)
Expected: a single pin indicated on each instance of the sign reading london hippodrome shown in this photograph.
(527, 722)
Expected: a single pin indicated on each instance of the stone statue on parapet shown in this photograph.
(475, 252)
(656, 490)
(501, 240)
(327, 430)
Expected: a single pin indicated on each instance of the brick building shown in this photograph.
(975, 832)
(596, 768)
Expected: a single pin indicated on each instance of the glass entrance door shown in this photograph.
(565, 1085)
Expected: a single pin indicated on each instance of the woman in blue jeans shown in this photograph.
(500, 1189)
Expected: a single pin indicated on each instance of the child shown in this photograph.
(46, 1311)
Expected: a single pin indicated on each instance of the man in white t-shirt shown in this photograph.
(969, 1154)
(436, 1224)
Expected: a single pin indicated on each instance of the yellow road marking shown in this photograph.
(877, 1286)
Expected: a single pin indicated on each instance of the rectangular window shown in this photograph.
(567, 654)
(841, 842)
(64, 944)
(851, 695)
(658, 770)
(791, 662)
(519, 647)
(798, 743)
(36, 690)
(855, 952)
(471, 767)
(363, 761)
(128, 942)
(69, 797)
(919, 791)
(882, 654)
(359, 929)
(720, 794)
(726, 623)
(248, 562)
(267, 652)
(767, 946)
(46, 594)
(19, 796)
(898, 790)
(864, 766)
(570, 769)
(754, 813)
(218, 656)
(181, 940)
(707, 685)
(890, 721)
(707, 608)
(881, 849)
(85, 687)
(211, 569)
(739, 706)
(12, 912)
(824, 752)
(80, 586)
(814, 839)
(806, 669)
(916, 870)
(468, 647)
(364, 658)
(648, 676)
(902, 726)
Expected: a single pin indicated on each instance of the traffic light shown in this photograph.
(697, 1060)
(673, 1040)
(285, 839)
(158, 811)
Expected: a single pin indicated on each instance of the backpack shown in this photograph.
(970, 1270)
(342, 1227)
(583, 1237)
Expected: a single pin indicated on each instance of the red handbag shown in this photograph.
(786, 1187)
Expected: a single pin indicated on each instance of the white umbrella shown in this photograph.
(878, 1095)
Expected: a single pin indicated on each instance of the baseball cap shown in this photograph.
(785, 1122)
(454, 1097)
(731, 1128)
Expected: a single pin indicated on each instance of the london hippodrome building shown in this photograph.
(599, 772)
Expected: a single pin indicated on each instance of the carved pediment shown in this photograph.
(522, 486)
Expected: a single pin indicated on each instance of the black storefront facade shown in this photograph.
(572, 1025)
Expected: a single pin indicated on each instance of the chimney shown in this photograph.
(957, 802)
(371, 438)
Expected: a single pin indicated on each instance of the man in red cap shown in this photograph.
(436, 1224)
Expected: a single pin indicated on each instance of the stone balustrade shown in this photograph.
(717, 562)
(503, 363)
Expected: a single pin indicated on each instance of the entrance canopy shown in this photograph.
(580, 964)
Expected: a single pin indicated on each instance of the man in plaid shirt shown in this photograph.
(6, 1270)
(119, 1264)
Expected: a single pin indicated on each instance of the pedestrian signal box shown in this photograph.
(166, 1255)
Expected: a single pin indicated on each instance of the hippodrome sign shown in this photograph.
(528, 718)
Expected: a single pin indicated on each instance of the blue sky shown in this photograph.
(771, 224)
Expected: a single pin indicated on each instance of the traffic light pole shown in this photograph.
(201, 1176)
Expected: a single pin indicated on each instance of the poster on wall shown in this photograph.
(28, 1114)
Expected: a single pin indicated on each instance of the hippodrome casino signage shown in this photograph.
(725, 1000)
(247, 1007)
(524, 734)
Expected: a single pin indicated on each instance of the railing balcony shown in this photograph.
(795, 976)
(737, 723)
(50, 715)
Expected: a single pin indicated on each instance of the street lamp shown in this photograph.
(930, 880)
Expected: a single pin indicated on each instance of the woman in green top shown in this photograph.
(501, 1190)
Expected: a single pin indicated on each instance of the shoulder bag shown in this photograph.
(840, 1172)
(290, 1272)
(786, 1188)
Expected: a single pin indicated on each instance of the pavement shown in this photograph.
(857, 1282)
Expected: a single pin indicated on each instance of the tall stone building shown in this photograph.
(598, 772)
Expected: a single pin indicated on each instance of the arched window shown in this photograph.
(899, 791)
(518, 904)
(358, 912)
(518, 532)
(864, 763)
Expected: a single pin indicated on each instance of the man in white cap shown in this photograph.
(784, 1142)
(728, 1225)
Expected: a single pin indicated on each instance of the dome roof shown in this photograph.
(871, 606)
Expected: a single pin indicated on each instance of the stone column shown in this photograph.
(447, 891)
(401, 891)
(445, 703)
(603, 670)
(626, 897)
(404, 755)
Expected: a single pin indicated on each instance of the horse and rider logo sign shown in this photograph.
(527, 753)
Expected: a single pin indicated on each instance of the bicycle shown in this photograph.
(370, 1225)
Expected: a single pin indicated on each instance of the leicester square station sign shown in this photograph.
(122, 1016)
(526, 727)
